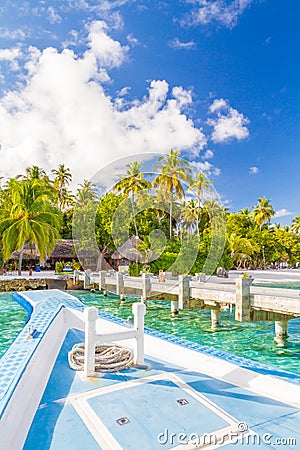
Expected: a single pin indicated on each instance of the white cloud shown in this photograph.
(217, 104)
(177, 44)
(53, 16)
(124, 91)
(109, 52)
(11, 55)
(253, 170)
(220, 11)
(216, 171)
(16, 33)
(208, 154)
(62, 113)
(282, 213)
(132, 40)
(207, 168)
(229, 124)
(108, 5)
(73, 40)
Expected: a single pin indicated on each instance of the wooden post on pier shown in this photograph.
(120, 283)
(87, 279)
(76, 277)
(146, 286)
(183, 292)
(242, 304)
(102, 285)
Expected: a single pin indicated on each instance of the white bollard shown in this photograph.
(139, 311)
(90, 315)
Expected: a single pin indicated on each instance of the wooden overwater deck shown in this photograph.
(251, 303)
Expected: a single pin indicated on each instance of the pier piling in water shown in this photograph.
(281, 332)
(252, 303)
(184, 292)
(174, 308)
(215, 316)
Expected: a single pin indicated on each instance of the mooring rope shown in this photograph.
(108, 358)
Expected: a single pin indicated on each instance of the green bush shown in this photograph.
(132, 269)
(59, 266)
(76, 265)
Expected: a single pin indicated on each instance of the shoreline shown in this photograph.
(277, 275)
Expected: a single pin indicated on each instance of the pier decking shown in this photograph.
(251, 303)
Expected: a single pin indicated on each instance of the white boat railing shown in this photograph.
(92, 338)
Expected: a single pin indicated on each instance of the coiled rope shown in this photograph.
(108, 358)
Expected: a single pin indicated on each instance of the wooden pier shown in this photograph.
(251, 303)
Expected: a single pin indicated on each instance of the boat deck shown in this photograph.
(185, 396)
(157, 406)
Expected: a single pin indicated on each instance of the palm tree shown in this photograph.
(28, 216)
(241, 249)
(263, 212)
(174, 171)
(198, 185)
(35, 172)
(190, 215)
(295, 226)
(61, 181)
(86, 193)
(130, 184)
(244, 212)
(212, 213)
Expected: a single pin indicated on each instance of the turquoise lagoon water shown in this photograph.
(12, 319)
(250, 340)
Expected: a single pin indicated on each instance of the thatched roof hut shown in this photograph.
(127, 252)
(63, 250)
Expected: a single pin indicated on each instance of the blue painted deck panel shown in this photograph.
(151, 408)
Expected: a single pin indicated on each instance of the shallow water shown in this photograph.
(250, 340)
(12, 319)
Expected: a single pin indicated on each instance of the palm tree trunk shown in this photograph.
(198, 218)
(20, 260)
(171, 212)
(134, 219)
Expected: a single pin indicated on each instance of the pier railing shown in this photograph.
(251, 303)
(191, 293)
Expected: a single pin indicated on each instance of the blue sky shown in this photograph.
(89, 82)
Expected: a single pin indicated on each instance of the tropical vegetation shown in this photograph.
(172, 211)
